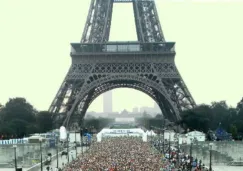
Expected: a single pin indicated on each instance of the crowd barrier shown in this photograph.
(14, 141)
(54, 157)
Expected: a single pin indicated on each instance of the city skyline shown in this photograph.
(36, 46)
(108, 105)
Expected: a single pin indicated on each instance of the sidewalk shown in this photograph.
(62, 160)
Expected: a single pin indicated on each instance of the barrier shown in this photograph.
(14, 141)
(38, 166)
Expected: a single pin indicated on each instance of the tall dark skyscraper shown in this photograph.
(107, 102)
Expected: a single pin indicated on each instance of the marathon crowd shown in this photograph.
(127, 154)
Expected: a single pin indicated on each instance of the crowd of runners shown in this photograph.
(130, 154)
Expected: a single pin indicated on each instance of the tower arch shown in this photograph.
(153, 89)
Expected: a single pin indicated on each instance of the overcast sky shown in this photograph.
(35, 37)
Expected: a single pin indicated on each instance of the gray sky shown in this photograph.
(35, 38)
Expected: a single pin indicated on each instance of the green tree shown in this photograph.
(6, 130)
(19, 127)
(1, 106)
(240, 104)
(18, 108)
(32, 129)
(15, 117)
(97, 123)
(44, 121)
(233, 131)
(195, 120)
(220, 114)
(239, 109)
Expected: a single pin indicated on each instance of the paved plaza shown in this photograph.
(62, 160)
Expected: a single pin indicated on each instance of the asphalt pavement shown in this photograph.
(63, 160)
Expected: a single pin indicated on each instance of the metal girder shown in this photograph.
(179, 93)
(126, 1)
(97, 27)
(147, 22)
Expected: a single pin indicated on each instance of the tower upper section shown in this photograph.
(97, 27)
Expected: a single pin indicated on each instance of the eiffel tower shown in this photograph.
(99, 65)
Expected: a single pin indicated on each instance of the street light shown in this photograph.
(40, 140)
(169, 146)
(15, 156)
(81, 139)
(178, 151)
(68, 149)
(191, 155)
(76, 144)
(57, 149)
(164, 140)
(210, 156)
(164, 136)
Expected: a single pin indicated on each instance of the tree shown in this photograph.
(6, 130)
(233, 131)
(32, 129)
(239, 109)
(220, 114)
(44, 121)
(18, 108)
(240, 104)
(159, 116)
(1, 106)
(19, 127)
(195, 120)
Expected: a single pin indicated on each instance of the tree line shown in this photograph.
(18, 118)
(210, 117)
(204, 118)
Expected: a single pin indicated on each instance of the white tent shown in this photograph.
(150, 133)
(106, 132)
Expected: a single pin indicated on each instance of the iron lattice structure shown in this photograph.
(99, 65)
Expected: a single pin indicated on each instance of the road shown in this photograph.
(62, 160)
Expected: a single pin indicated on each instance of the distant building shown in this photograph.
(107, 102)
(125, 120)
(193, 136)
(149, 110)
(124, 113)
(135, 110)
(169, 135)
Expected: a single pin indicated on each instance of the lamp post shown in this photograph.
(57, 151)
(191, 155)
(40, 140)
(81, 134)
(178, 152)
(210, 156)
(76, 144)
(68, 149)
(169, 146)
(164, 136)
(160, 141)
(178, 146)
(15, 156)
